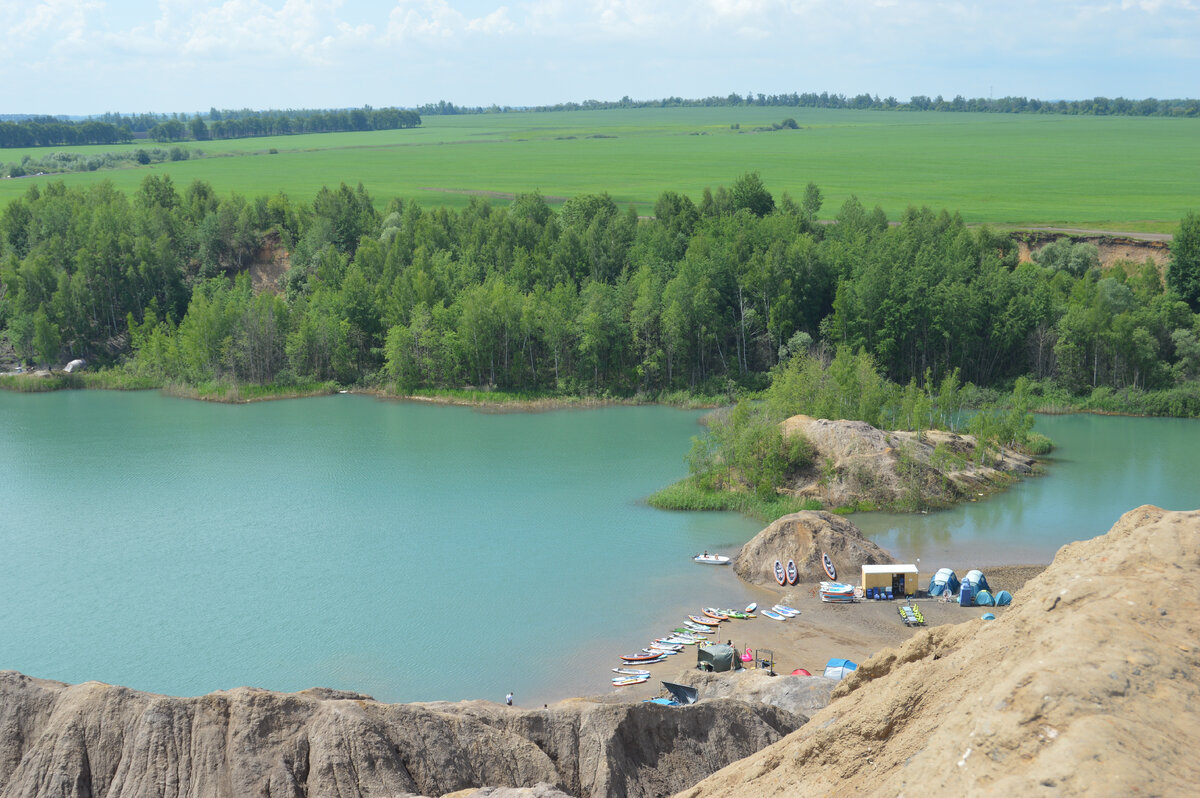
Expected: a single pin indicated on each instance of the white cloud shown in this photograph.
(251, 52)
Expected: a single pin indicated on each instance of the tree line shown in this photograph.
(708, 296)
(110, 128)
(1094, 106)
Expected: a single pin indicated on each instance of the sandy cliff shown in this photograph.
(95, 739)
(1087, 685)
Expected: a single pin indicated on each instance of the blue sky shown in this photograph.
(91, 56)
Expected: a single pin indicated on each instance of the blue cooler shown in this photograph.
(966, 596)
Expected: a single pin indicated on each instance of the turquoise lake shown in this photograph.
(418, 552)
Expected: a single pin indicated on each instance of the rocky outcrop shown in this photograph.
(802, 695)
(803, 537)
(857, 463)
(1086, 685)
(95, 739)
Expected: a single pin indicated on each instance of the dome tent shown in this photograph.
(944, 581)
(984, 599)
(976, 580)
(1003, 598)
(839, 668)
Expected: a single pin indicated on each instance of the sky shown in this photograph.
(91, 56)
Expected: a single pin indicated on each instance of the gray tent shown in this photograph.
(681, 693)
(717, 658)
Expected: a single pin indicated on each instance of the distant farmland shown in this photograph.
(1120, 173)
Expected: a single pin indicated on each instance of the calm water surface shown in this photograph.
(1102, 467)
(420, 552)
(409, 551)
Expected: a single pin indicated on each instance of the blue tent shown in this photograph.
(984, 599)
(1003, 598)
(839, 669)
(976, 580)
(944, 581)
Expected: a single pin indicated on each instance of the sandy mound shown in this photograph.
(1085, 686)
(856, 462)
(803, 537)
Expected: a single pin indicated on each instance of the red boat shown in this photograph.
(642, 657)
(703, 621)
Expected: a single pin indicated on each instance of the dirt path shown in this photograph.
(1165, 237)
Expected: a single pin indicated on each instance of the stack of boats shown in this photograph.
(694, 631)
(836, 592)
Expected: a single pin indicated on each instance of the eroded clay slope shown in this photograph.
(1087, 685)
(94, 739)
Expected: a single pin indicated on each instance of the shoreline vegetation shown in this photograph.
(1046, 398)
(740, 299)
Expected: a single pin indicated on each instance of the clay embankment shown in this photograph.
(1086, 685)
(95, 739)
(855, 462)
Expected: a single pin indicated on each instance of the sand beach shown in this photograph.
(822, 631)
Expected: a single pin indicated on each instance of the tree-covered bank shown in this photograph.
(708, 296)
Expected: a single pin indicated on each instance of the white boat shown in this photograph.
(711, 559)
(631, 671)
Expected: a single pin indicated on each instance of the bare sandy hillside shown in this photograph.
(856, 462)
(1087, 685)
(803, 538)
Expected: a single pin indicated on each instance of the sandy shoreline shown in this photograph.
(821, 631)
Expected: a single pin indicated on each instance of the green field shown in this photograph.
(1117, 173)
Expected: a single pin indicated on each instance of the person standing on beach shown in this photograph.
(508, 698)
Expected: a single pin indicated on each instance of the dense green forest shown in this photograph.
(706, 296)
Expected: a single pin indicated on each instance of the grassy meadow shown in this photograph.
(1117, 173)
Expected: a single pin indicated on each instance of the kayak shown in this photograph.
(631, 671)
(695, 634)
(625, 681)
(780, 573)
(677, 640)
(658, 652)
(714, 614)
(827, 564)
(773, 615)
(704, 621)
(752, 606)
(711, 559)
(644, 657)
(793, 576)
(737, 615)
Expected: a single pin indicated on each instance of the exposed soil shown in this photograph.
(1083, 686)
(1134, 247)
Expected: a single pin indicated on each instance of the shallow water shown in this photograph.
(419, 552)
